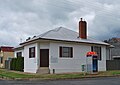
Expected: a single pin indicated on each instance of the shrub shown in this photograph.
(13, 63)
(17, 64)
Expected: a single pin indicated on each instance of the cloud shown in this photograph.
(24, 18)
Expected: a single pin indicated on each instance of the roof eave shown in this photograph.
(62, 40)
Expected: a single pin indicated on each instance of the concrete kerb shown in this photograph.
(36, 79)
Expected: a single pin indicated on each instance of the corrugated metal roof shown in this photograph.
(65, 34)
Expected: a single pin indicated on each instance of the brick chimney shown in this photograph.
(83, 29)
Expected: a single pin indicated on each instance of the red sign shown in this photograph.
(91, 54)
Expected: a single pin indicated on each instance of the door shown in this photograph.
(44, 57)
(95, 64)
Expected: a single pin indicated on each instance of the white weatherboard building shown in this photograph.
(61, 50)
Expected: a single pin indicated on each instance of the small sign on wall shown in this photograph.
(54, 60)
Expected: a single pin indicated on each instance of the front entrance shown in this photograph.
(44, 57)
(95, 64)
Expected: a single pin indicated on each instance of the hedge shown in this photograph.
(13, 64)
(17, 64)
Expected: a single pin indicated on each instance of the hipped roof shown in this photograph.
(64, 34)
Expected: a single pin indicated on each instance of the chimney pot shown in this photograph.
(81, 19)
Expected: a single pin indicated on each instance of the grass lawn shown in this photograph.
(21, 75)
(10, 74)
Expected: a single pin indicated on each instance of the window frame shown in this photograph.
(32, 54)
(65, 52)
(98, 50)
(19, 54)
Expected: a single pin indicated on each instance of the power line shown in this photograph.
(75, 7)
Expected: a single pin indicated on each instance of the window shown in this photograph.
(19, 54)
(97, 49)
(32, 52)
(66, 52)
(1, 60)
(9, 58)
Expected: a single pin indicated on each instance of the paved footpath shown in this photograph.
(88, 81)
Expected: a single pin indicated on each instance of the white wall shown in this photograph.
(44, 45)
(30, 64)
(62, 65)
(102, 63)
(68, 64)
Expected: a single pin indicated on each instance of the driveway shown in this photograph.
(89, 81)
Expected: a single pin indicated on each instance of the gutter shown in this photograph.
(62, 40)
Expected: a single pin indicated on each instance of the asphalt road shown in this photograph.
(89, 81)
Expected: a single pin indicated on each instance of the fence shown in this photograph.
(7, 64)
(113, 64)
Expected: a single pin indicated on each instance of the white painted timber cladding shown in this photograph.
(30, 64)
(68, 64)
(73, 64)
(61, 65)
(102, 63)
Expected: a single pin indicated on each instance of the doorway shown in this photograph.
(95, 64)
(44, 57)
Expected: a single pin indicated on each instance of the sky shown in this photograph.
(20, 19)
